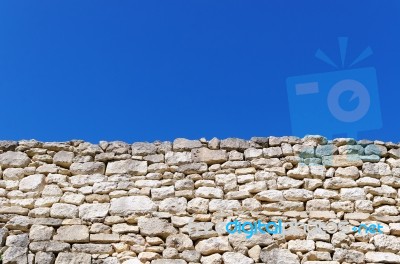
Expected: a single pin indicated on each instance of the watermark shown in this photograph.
(340, 103)
(279, 227)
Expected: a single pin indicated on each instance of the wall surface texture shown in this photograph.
(168, 202)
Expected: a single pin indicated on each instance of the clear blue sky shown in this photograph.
(157, 70)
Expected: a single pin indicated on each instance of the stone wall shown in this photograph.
(168, 202)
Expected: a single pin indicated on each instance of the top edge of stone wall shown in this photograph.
(179, 144)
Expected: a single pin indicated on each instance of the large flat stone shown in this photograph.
(72, 234)
(133, 167)
(209, 156)
(14, 159)
(342, 160)
(125, 206)
(73, 258)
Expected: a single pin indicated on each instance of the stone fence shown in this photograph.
(169, 202)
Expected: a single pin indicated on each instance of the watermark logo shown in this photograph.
(279, 227)
(339, 103)
(251, 229)
(369, 229)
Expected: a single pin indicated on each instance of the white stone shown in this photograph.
(382, 257)
(270, 196)
(125, 206)
(93, 211)
(87, 168)
(213, 245)
(32, 183)
(209, 192)
(236, 258)
(133, 167)
(61, 210)
(15, 159)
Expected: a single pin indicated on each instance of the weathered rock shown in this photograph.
(173, 205)
(143, 148)
(93, 248)
(301, 172)
(179, 241)
(339, 182)
(183, 144)
(287, 183)
(213, 245)
(376, 169)
(325, 150)
(216, 205)
(212, 259)
(386, 243)
(342, 160)
(155, 227)
(209, 156)
(301, 245)
(352, 194)
(73, 258)
(14, 159)
(298, 195)
(190, 256)
(49, 246)
(281, 256)
(376, 150)
(168, 261)
(15, 255)
(61, 210)
(125, 206)
(32, 183)
(382, 257)
(72, 234)
(178, 158)
(6, 145)
(234, 144)
(162, 193)
(63, 158)
(19, 223)
(41, 233)
(87, 168)
(237, 240)
(45, 258)
(133, 167)
(93, 211)
(21, 240)
(193, 168)
(270, 196)
(209, 192)
(236, 258)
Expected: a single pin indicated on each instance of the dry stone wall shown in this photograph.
(169, 202)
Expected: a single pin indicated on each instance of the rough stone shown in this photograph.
(73, 258)
(32, 183)
(72, 234)
(61, 210)
(382, 257)
(155, 227)
(63, 158)
(209, 156)
(281, 256)
(87, 168)
(93, 211)
(183, 144)
(14, 159)
(213, 245)
(143, 148)
(236, 258)
(125, 206)
(133, 167)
